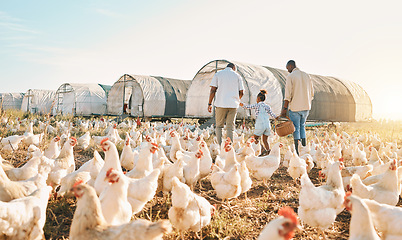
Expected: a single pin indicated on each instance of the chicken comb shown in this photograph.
(341, 159)
(104, 140)
(109, 172)
(78, 183)
(202, 153)
(74, 139)
(155, 145)
(288, 212)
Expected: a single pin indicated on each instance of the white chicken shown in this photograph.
(10, 190)
(115, 195)
(89, 222)
(24, 218)
(169, 172)
(53, 149)
(127, 155)
(11, 143)
(387, 219)
(262, 168)
(63, 164)
(385, 191)
(361, 224)
(191, 168)
(281, 228)
(84, 141)
(189, 211)
(144, 164)
(320, 205)
(226, 184)
(297, 166)
(111, 161)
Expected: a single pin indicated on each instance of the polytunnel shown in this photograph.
(148, 96)
(38, 101)
(11, 100)
(334, 100)
(81, 99)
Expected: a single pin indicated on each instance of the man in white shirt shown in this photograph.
(227, 88)
(299, 92)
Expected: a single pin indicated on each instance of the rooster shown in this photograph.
(89, 222)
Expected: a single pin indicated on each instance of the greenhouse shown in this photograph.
(81, 99)
(11, 100)
(38, 101)
(148, 96)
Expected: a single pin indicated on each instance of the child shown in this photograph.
(262, 124)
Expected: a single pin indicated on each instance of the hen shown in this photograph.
(89, 222)
(387, 219)
(189, 211)
(144, 164)
(281, 228)
(115, 195)
(24, 218)
(385, 191)
(361, 224)
(320, 205)
(10, 190)
(53, 149)
(226, 184)
(262, 168)
(111, 161)
(63, 164)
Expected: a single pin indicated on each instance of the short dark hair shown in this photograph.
(291, 63)
(231, 65)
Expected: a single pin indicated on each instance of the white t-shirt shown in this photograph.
(228, 83)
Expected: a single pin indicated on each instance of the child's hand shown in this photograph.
(241, 104)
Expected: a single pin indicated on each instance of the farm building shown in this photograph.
(11, 100)
(81, 99)
(38, 101)
(334, 99)
(148, 96)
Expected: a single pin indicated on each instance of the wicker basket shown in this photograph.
(285, 128)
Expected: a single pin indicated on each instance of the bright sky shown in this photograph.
(46, 43)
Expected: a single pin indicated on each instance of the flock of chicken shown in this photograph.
(173, 158)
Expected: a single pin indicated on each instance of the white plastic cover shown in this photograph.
(254, 77)
(11, 100)
(80, 99)
(38, 101)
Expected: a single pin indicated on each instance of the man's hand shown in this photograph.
(284, 112)
(241, 104)
(210, 108)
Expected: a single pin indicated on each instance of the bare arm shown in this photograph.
(211, 98)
